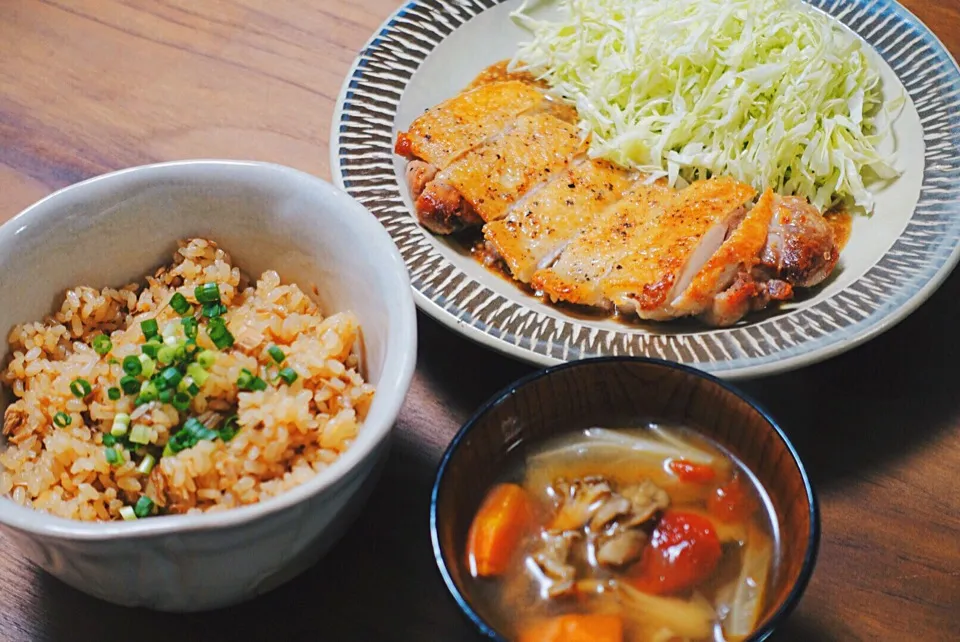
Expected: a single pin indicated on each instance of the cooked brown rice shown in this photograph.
(287, 432)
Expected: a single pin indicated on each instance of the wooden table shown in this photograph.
(88, 86)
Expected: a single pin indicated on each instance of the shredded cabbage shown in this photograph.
(771, 92)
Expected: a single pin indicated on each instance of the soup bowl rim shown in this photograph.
(784, 609)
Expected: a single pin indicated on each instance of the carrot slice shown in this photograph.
(575, 628)
(505, 516)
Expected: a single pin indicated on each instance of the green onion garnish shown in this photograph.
(102, 344)
(109, 440)
(114, 393)
(248, 381)
(121, 421)
(193, 390)
(147, 365)
(229, 429)
(166, 355)
(288, 374)
(206, 359)
(148, 392)
(150, 348)
(218, 333)
(62, 419)
(143, 507)
(211, 310)
(190, 326)
(113, 457)
(207, 293)
(276, 354)
(80, 387)
(179, 304)
(196, 372)
(147, 464)
(166, 396)
(149, 328)
(140, 434)
(130, 385)
(181, 400)
(193, 431)
(128, 513)
(132, 365)
(170, 377)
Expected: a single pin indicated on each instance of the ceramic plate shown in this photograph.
(430, 49)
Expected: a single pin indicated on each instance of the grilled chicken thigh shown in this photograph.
(504, 156)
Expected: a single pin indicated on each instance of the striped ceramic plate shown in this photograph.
(430, 49)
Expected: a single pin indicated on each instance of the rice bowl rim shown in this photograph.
(390, 390)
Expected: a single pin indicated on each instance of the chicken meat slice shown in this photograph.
(738, 254)
(483, 183)
(538, 227)
(459, 124)
(671, 250)
(576, 276)
(801, 248)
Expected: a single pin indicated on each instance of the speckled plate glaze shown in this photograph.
(430, 49)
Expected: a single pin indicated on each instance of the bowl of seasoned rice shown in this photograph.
(202, 364)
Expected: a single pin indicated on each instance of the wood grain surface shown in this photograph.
(88, 86)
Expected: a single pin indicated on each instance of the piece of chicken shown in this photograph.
(537, 228)
(577, 275)
(671, 251)
(801, 248)
(484, 182)
(455, 126)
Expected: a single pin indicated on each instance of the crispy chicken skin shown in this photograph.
(543, 223)
(490, 178)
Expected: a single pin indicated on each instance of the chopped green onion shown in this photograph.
(211, 310)
(206, 359)
(150, 348)
(114, 393)
(147, 464)
(180, 353)
(121, 421)
(184, 383)
(147, 366)
(180, 304)
(132, 365)
(144, 507)
(130, 385)
(102, 344)
(229, 429)
(219, 334)
(248, 381)
(193, 431)
(166, 355)
(149, 328)
(62, 419)
(128, 513)
(276, 353)
(193, 390)
(166, 396)
(80, 387)
(148, 392)
(168, 451)
(181, 400)
(170, 342)
(109, 440)
(190, 326)
(140, 434)
(171, 377)
(207, 293)
(288, 374)
(197, 373)
(113, 457)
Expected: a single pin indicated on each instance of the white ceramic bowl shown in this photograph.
(116, 228)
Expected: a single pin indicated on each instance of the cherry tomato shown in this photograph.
(730, 502)
(684, 550)
(690, 472)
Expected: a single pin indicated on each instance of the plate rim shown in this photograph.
(785, 364)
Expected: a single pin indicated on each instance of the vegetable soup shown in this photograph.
(641, 535)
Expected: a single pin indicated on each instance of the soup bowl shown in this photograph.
(113, 229)
(620, 392)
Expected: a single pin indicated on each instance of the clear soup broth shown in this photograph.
(649, 534)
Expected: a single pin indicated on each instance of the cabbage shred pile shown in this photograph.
(770, 92)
